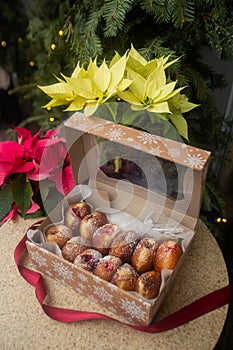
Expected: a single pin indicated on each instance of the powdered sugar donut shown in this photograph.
(75, 214)
(103, 237)
(75, 246)
(91, 222)
(123, 245)
(143, 255)
(107, 266)
(59, 234)
(88, 259)
(148, 284)
(125, 277)
(167, 256)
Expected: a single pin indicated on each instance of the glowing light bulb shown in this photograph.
(224, 220)
(51, 119)
(218, 220)
(61, 33)
(3, 43)
(20, 40)
(49, 108)
(31, 63)
(53, 46)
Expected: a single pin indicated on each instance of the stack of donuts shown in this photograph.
(89, 241)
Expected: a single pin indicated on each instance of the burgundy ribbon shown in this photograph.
(188, 313)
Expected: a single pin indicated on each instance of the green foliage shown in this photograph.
(6, 199)
(22, 193)
(97, 28)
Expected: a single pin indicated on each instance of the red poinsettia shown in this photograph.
(28, 162)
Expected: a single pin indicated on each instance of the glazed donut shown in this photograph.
(123, 245)
(91, 222)
(125, 277)
(167, 256)
(107, 266)
(88, 259)
(148, 284)
(59, 234)
(75, 246)
(103, 237)
(75, 214)
(143, 255)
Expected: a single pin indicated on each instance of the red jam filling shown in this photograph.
(108, 266)
(76, 212)
(170, 249)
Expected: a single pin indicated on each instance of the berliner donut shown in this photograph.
(75, 246)
(143, 255)
(75, 214)
(123, 245)
(125, 277)
(59, 234)
(103, 237)
(148, 284)
(88, 259)
(107, 266)
(167, 256)
(91, 222)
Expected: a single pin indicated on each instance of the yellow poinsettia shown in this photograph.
(151, 93)
(178, 105)
(86, 89)
(130, 78)
(143, 67)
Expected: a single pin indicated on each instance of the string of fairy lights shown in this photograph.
(31, 62)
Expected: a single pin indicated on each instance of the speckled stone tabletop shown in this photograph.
(23, 324)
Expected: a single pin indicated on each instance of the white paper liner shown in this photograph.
(124, 220)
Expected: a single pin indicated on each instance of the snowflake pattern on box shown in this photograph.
(80, 287)
(62, 270)
(189, 156)
(147, 138)
(103, 294)
(195, 160)
(156, 150)
(174, 152)
(132, 309)
(82, 277)
(115, 134)
(38, 259)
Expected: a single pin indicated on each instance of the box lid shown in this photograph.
(161, 176)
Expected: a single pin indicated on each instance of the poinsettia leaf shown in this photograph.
(102, 77)
(6, 200)
(180, 124)
(45, 186)
(22, 193)
(137, 87)
(76, 104)
(146, 70)
(83, 87)
(123, 85)
(129, 117)
(55, 103)
(76, 71)
(135, 58)
(37, 214)
(91, 70)
(160, 107)
(90, 108)
(117, 72)
(115, 58)
(185, 105)
(129, 97)
(58, 90)
(52, 200)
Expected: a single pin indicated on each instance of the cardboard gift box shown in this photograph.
(142, 182)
